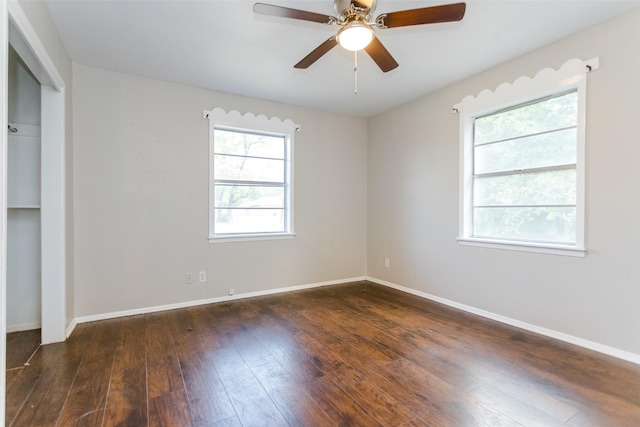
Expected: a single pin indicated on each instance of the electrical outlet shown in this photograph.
(387, 263)
(232, 292)
(188, 278)
(202, 276)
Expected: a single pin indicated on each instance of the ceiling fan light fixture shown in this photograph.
(355, 36)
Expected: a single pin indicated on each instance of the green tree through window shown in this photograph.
(524, 172)
(250, 194)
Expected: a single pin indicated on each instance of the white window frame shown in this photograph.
(571, 76)
(250, 123)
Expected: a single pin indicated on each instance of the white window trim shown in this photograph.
(251, 123)
(571, 75)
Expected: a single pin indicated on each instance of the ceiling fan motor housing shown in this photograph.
(349, 9)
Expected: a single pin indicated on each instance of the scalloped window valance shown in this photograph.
(522, 162)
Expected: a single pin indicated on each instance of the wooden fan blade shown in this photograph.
(286, 12)
(317, 53)
(425, 15)
(381, 55)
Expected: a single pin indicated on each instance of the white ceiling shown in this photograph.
(222, 45)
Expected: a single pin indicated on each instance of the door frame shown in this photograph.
(4, 54)
(26, 42)
(15, 28)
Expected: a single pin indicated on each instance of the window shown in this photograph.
(522, 181)
(524, 172)
(250, 177)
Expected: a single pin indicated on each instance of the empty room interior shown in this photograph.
(224, 213)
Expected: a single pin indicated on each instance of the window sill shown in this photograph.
(250, 237)
(524, 247)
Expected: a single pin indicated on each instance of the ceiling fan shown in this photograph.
(355, 17)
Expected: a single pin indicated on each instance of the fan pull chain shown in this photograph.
(355, 72)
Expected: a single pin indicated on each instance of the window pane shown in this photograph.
(248, 144)
(541, 224)
(542, 188)
(550, 149)
(249, 196)
(550, 114)
(231, 221)
(248, 169)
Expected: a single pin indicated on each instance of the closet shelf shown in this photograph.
(23, 207)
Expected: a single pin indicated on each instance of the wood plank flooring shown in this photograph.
(357, 354)
(21, 346)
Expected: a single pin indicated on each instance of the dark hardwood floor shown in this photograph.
(349, 355)
(21, 346)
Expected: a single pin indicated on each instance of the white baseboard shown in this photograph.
(70, 328)
(600, 348)
(146, 310)
(23, 327)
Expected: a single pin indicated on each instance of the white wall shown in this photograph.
(141, 193)
(413, 202)
(23, 189)
(23, 269)
(24, 93)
